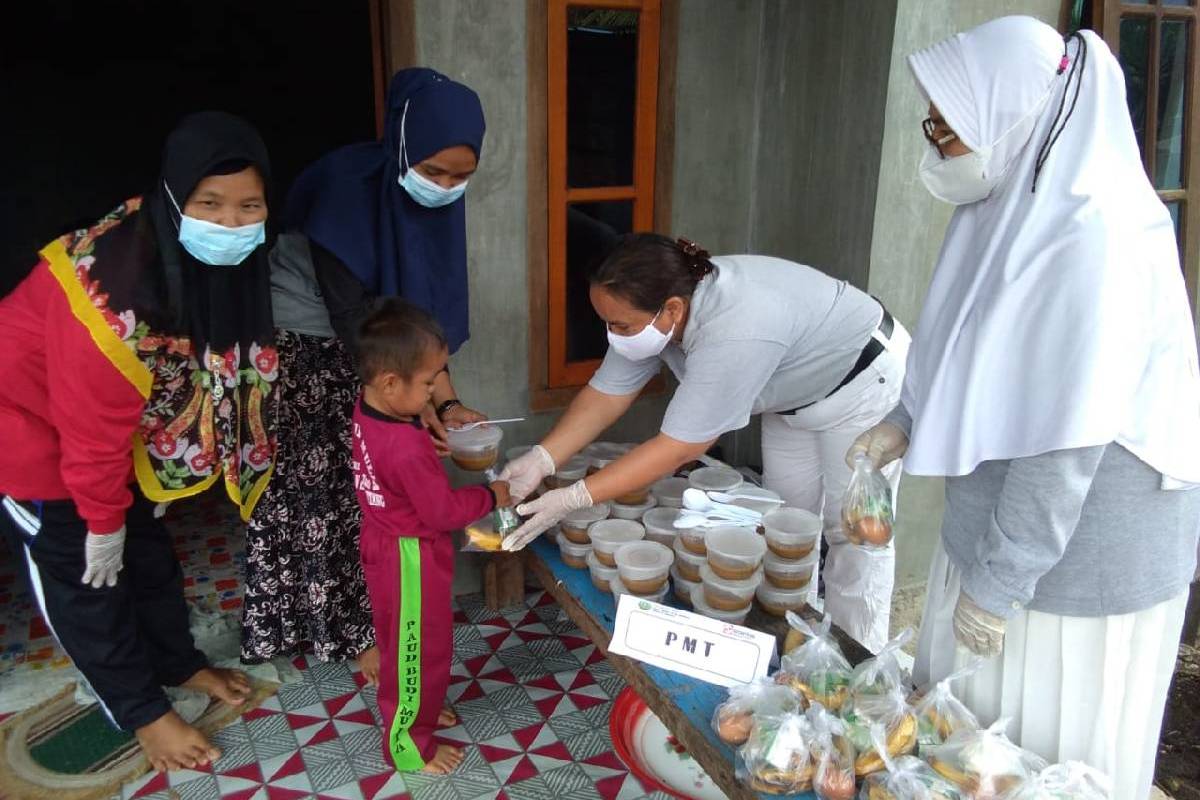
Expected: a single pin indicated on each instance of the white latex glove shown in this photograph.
(981, 632)
(104, 554)
(526, 472)
(547, 510)
(882, 444)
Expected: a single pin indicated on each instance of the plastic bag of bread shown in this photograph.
(940, 713)
(867, 517)
(775, 758)
(890, 712)
(734, 718)
(1073, 780)
(904, 777)
(817, 669)
(832, 753)
(882, 674)
(984, 763)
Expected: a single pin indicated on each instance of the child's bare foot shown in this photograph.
(228, 685)
(368, 662)
(445, 760)
(447, 718)
(170, 743)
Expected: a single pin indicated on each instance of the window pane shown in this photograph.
(1172, 89)
(1135, 61)
(592, 230)
(601, 96)
(1175, 207)
(1176, 2)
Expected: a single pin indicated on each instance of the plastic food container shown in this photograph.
(764, 501)
(619, 589)
(635, 498)
(735, 553)
(700, 606)
(790, 574)
(573, 555)
(573, 469)
(602, 576)
(693, 539)
(778, 602)
(715, 479)
(726, 595)
(669, 491)
(644, 566)
(682, 587)
(687, 563)
(608, 535)
(475, 449)
(575, 525)
(660, 525)
(622, 511)
(601, 454)
(792, 532)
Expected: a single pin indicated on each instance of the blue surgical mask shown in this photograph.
(420, 188)
(215, 244)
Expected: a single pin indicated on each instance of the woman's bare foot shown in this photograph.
(170, 743)
(228, 685)
(368, 662)
(447, 718)
(445, 760)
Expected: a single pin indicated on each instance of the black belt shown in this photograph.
(868, 355)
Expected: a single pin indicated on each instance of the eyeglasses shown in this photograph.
(930, 128)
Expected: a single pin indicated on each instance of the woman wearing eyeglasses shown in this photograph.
(819, 359)
(1053, 381)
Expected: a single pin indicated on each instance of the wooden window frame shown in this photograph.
(1106, 19)
(553, 382)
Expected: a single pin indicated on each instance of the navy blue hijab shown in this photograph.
(351, 202)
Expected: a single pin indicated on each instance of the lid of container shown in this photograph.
(619, 589)
(485, 437)
(715, 479)
(736, 543)
(669, 487)
(586, 516)
(616, 531)
(713, 579)
(639, 509)
(661, 520)
(702, 607)
(650, 557)
(573, 468)
(778, 563)
(603, 570)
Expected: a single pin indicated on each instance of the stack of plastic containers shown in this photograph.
(792, 536)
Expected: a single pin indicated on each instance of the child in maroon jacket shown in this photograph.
(409, 510)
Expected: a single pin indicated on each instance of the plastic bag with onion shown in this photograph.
(734, 719)
(867, 516)
(817, 669)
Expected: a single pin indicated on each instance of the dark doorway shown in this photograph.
(90, 90)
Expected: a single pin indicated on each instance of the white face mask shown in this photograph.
(958, 180)
(646, 343)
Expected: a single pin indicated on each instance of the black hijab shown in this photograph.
(217, 307)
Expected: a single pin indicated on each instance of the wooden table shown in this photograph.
(684, 704)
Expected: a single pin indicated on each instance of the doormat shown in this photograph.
(65, 751)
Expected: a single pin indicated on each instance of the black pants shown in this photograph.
(129, 640)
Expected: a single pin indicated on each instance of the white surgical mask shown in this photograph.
(958, 180)
(217, 245)
(646, 343)
(420, 188)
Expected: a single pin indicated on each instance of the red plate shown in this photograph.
(627, 710)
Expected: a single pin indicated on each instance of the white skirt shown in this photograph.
(1089, 689)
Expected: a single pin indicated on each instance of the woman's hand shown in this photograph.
(546, 512)
(527, 471)
(458, 415)
(436, 429)
(881, 444)
(981, 632)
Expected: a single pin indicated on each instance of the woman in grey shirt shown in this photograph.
(1053, 380)
(819, 359)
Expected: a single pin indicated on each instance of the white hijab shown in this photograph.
(1058, 318)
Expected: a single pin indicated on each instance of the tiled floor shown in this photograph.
(532, 693)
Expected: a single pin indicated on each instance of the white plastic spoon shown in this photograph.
(473, 425)
(697, 500)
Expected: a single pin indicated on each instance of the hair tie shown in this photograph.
(697, 257)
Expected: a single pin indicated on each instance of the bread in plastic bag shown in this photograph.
(867, 517)
(733, 719)
(882, 674)
(984, 763)
(1073, 780)
(775, 757)
(832, 754)
(940, 713)
(889, 712)
(904, 777)
(817, 669)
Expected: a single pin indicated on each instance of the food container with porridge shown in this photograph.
(575, 525)
(701, 606)
(734, 553)
(644, 566)
(683, 587)
(573, 555)
(792, 532)
(727, 595)
(619, 589)
(777, 602)
(610, 534)
(669, 491)
(715, 479)
(787, 573)
(688, 563)
(602, 576)
(623, 511)
(660, 525)
(475, 449)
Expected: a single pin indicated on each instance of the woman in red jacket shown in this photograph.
(136, 359)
